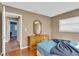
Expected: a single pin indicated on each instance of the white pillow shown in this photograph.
(77, 46)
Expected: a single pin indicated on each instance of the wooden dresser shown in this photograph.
(34, 40)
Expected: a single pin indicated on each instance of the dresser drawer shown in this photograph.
(32, 47)
(34, 40)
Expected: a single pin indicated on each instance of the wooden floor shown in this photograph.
(23, 52)
(13, 49)
(12, 45)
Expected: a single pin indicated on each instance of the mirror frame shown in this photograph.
(34, 27)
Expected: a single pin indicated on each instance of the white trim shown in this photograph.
(10, 14)
(20, 26)
(13, 21)
(3, 30)
(24, 47)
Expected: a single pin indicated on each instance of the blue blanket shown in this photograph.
(63, 48)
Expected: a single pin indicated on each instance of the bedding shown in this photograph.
(63, 48)
(47, 48)
(75, 44)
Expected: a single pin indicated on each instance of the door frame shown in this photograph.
(20, 26)
(3, 30)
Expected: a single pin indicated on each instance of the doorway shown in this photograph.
(13, 32)
(13, 29)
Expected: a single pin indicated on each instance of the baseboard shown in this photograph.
(24, 47)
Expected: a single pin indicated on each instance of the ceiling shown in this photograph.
(49, 9)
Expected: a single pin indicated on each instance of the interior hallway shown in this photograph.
(12, 45)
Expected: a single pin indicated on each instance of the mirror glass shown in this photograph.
(37, 27)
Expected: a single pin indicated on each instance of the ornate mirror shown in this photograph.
(37, 27)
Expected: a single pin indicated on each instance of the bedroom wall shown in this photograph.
(27, 23)
(0, 29)
(0, 21)
(0, 26)
(55, 26)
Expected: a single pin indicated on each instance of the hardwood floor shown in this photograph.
(13, 49)
(12, 45)
(23, 52)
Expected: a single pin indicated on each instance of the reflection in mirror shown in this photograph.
(37, 27)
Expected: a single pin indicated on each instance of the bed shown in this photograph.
(44, 48)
